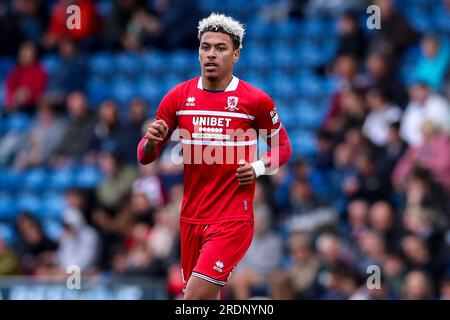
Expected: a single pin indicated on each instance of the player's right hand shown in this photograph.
(157, 131)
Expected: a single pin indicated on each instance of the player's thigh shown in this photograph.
(222, 249)
(190, 248)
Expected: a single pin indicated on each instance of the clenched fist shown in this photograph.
(245, 173)
(157, 131)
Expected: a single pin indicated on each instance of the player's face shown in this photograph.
(217, 55)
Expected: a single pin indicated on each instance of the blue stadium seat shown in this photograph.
(18, 122)
(101, 64)
(30, 202)
(2, 100)
(10, 179)
(61, 179)
(104, 7)
(7, 233)
(309, 116)
(149, 88)
(98, 90)
(52, 228)
(441, 18)
(8, 207)
(310, 87)
(88, 177)
(50, 63)
(154, 62)
(123, 90)
(53, 204)
(128, 64)
(35, 179)
(303, 143)
(181, 61)
(6, 65)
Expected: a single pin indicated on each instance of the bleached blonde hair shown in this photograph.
(218, 22)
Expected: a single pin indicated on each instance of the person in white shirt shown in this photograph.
(424, 105)
(382, 114)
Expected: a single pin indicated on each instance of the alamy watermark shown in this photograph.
(73, 21)
(374, 20)
(374, 280)
(73, 281)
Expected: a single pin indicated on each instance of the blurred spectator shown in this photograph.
(26, 82)
(357, 218)
(382, 219)
(394, 270)
(107, 129)
(90, 24)
(382, 114)
(369, 183)
(393, 150)
(351, 36)
(371, 249)
(32, 18)
(42, 138)
(150, 185)
(140, 256)
(70, 74)
(418, 286)
(261, 260)
(424, 105)
(77, 132)
(308, 211)
(117, 182)
(352, 113)
(419, 221)
(299, 279)
(433, 64)
(345, 68)
(12, 36)
(432, 154)
(445, 289)
(142, 209)
(33, 246)
(132, 130)
(175, 29)
(331, 9)
(9, 262)
(395, 34)
(381, 73)
(127, 22)
(79, 244)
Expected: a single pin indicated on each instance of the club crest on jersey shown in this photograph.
(190, 102)
(232, 103)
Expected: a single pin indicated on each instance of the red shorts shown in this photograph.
(212, 251)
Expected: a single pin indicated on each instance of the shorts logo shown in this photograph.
(232, 103)
(190, 102)
(218, 266)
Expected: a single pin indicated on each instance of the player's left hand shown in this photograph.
(245, 173)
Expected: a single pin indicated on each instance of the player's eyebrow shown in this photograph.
(216, 44)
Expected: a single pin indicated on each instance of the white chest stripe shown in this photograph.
(219, 143)
(214, 113)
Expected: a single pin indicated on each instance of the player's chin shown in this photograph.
(211, 74)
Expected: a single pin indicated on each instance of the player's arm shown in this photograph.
(154, 140)
(275, 135)
(159, 131)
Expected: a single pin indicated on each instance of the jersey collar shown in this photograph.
(231, 86)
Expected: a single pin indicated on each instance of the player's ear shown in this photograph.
(236, 55)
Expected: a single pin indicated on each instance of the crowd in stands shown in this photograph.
(373, 191)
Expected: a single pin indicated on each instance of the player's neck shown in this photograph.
(221, 84)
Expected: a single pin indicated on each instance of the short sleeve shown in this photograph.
(267, 121)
